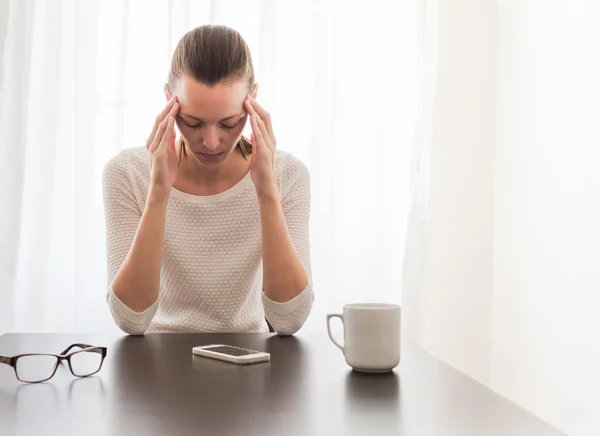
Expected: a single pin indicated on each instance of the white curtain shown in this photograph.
(82, 80)
(502, 269)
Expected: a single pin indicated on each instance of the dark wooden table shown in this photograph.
(153, 385)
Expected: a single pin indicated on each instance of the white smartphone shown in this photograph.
(227, 353)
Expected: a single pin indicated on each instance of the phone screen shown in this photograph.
(231, 351)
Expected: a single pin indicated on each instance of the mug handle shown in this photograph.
(341, 317)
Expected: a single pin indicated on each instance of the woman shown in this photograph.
(208, 232)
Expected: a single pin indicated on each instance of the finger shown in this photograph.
(264, 115)
(168, 135)
(257, 135)
(265, 133)
(173, 113)
(160, 117)
(253, 116)
(162, 127)
(171, 146)
(260, 124)
(249, 108)
(173, 107)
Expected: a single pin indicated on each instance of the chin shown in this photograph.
(212, 161)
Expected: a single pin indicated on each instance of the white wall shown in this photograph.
(506, 281)
(458, 255)
(546, 330)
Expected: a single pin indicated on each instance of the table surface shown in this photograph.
(153, 385)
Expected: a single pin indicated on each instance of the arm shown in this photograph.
(134, 239)
(137, 282)
(134, 253)
(288, 294)
(287, 288)
(284, 276)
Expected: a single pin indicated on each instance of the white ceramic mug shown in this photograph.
(371, 336)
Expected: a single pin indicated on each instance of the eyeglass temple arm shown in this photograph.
(7, 360)
(80, 346)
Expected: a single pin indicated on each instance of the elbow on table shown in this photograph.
(132, 329)
(129, 321)
(288, 330)
(289, 327)
(289, 317)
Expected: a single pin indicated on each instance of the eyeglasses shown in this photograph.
(36, 368)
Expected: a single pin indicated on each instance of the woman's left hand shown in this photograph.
(262, 168)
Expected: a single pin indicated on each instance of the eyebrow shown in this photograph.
(224, 119)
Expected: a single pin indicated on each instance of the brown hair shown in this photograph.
(213, 54)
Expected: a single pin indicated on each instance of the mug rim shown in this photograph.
(372, 306)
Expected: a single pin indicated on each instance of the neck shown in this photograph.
(233, 170)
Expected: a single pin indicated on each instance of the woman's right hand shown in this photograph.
(164, 150)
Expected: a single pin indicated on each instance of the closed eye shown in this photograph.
(193, 126)
(226, 127)
(198, 125)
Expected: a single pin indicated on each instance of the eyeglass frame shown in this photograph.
(12, 361)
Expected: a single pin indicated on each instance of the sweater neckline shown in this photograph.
(232, 192)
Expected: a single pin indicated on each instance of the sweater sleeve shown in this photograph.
(287, 318)
(122, 217)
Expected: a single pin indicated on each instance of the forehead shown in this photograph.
(210, 103)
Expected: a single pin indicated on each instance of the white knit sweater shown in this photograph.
(211, 277)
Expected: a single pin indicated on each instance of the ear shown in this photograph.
(254, 92)
(167, 89)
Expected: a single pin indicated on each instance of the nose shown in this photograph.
(211, 139)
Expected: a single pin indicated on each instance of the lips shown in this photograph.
(210, 156)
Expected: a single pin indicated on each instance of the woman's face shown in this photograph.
(211, 119)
